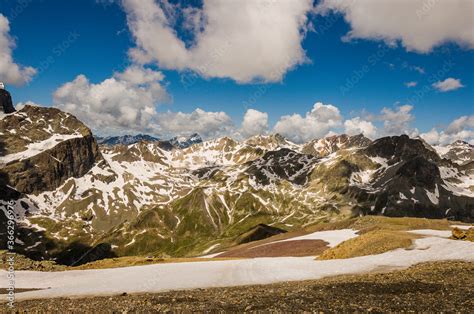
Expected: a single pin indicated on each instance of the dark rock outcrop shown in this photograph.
(259, 232)
(6, 101)
(282, 164)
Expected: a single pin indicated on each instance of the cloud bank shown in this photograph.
(254, 123)
(11, 72)
(231, 39)
(207, 124)
(460, 129)
(126, 100)
(419, 25)
(316, 123)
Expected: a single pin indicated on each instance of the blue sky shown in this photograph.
(62, 39)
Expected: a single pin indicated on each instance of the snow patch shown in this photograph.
(207, 274)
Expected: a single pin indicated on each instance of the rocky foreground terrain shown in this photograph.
(77, 201)
(430, 287)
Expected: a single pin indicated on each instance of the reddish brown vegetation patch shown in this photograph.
(276, 249)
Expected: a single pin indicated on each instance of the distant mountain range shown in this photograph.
(175, 142)
(141, 195)
(125, 139)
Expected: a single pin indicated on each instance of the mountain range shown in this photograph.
(175, 142)
(80, 198)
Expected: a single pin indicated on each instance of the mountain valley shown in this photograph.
(77, 200)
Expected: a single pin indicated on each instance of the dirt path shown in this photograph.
(429, 287)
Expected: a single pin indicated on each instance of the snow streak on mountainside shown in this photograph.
(148, 197)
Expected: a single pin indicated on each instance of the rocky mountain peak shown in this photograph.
(328, 145)
(460, 152)
(461, 143)
(185, 141)
(400, 147)
(270, 142)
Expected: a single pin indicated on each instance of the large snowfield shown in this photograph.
(189, 275)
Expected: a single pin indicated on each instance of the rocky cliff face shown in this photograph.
(43, 147)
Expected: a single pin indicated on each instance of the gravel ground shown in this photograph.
(429, 287)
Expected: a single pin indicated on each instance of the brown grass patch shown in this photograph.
(24, 263)
(461, 234)
(278, 249)
(369, 243)
(127, 261)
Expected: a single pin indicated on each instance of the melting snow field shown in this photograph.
(176, 276)
(333, 237)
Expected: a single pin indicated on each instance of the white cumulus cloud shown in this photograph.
(316, 123)
(411, 84)
(397, 121)
(11, 72)
(461, 128)
(207, 124)
(254, 123)
(231, 39)
(419, 25)
(448, 84)
(125, 101)
(357, 125)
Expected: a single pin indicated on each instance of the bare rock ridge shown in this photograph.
(328, 145)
